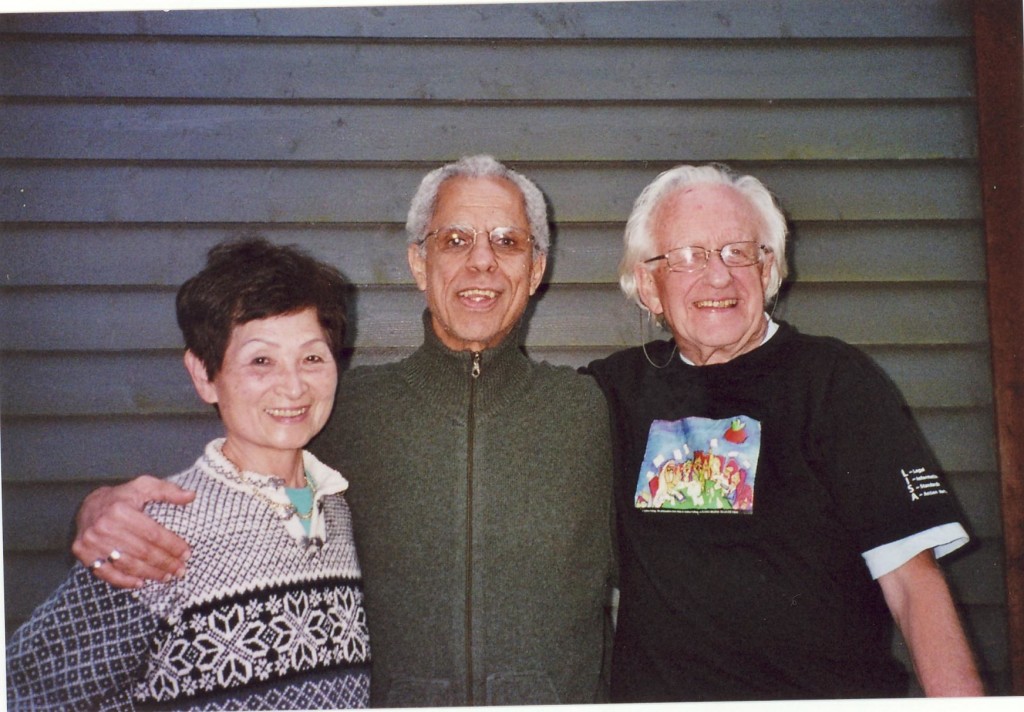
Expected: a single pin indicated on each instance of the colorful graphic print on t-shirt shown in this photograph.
(699, 464)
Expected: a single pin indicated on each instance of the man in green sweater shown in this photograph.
(480, 479)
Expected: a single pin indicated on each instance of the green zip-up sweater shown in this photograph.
(481, 514)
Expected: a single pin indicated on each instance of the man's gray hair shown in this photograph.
(481, 166)
(639, 242)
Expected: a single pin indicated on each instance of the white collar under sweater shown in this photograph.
(325, 481)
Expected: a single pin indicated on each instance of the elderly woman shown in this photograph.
(270, 615)
(764, 478)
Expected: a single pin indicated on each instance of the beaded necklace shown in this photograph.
(289, 509)
(282, 511)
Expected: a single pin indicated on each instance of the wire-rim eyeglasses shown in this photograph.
(693, 258)
(460, 239)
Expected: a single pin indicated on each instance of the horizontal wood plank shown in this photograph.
(167, 255)
(92, 449)
(963, 440)
(393, 132)
(886, 251)
(978, 496)
(976, 575)
(892, 314)
(985, 626)
(511, 70)
(616, 20)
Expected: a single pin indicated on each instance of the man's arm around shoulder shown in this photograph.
(112, 519)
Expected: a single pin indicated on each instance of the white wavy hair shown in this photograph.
(639, 242)
(421, 210)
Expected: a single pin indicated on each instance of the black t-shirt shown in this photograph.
(745, 493)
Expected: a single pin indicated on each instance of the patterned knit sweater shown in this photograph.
(266, 617)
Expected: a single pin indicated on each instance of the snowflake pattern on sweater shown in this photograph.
(265, 618)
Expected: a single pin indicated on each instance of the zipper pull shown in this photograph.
(475, 371)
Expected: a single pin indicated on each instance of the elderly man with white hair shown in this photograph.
(775, 501)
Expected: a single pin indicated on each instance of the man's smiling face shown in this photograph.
(715, 313)
(476, 298)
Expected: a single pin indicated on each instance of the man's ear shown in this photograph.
(197, 370)
(766, 269)
(647, 290)
(540, 263)
(418, 265)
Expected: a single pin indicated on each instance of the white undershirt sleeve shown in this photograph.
(942, 539)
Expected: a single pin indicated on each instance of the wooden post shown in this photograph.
(1000, 70)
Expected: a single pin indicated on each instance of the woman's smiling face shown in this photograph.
(275, 389)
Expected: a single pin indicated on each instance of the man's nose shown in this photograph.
(716, 271)
(481, 254)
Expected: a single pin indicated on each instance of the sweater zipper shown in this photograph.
(471, 421)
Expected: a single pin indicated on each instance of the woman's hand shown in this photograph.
(120, 543)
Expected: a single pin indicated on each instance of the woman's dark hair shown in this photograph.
(249, 279)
